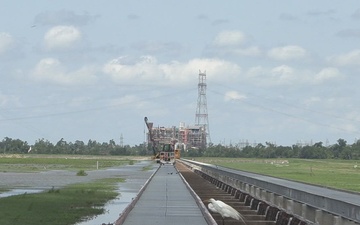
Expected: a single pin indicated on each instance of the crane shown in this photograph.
(167, 153)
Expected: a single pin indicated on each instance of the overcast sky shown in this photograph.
(277, 71)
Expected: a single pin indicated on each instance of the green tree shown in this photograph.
(43, 146)
(338, 148)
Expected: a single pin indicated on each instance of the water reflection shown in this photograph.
(19, 192)
(113, 210)
(135, 179)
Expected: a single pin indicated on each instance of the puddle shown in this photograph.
(19, 192)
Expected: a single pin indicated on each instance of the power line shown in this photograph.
(285, 114)
(92, 108)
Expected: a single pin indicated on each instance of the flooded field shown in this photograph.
(19, 191)
(135, 176)
(113, 209)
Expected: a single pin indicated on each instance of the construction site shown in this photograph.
(186, 137)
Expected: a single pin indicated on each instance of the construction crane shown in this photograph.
(162, 152)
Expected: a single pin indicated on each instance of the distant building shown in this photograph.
(190, 136)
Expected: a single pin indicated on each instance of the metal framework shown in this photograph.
(201, 116)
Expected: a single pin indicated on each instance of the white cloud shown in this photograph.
(147, 68)
(229, 38)
(327, 74)
(6, 42)
(280, 75)
(348, 59)
(289, 52)
(233, 95)
(62, 37)
(232, 43)
(286, 75)
(52, 70)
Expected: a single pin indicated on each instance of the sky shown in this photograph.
(283, 72)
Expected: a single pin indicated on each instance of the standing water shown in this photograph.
(127, 192)
(113, 209)
(19, 192)
(135, 177)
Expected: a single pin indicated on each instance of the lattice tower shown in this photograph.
(201, 117)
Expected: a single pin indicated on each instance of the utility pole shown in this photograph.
(121, 140)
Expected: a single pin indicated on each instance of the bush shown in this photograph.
(81, 173)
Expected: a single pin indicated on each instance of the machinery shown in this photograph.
(164, 150)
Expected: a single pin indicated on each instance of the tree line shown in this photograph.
(92, 147)
(340, 150)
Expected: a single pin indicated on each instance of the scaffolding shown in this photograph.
(191, 137)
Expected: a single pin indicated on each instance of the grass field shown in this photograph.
(339, 174)
(36, 163)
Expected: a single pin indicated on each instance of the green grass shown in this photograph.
(339, 174)
(59, 206)
(36, 163)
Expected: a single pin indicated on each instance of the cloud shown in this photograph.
(229, 38)
(148, 69)
(231, 43)
(289, 52)
(53, 71)
(6, 42)
(233, 95)
(64, 17)
(348, 59)
(286, 75)
(62, 37)
(279, 75)
(327, 74)
(267, 77)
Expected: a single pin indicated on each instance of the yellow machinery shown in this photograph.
(167, 153)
